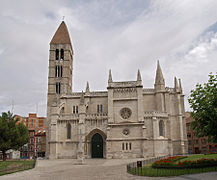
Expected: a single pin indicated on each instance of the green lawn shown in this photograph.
(9, 166)
(199, 156)
(149, 171)
(155, 172)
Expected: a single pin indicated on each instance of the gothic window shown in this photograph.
(130, 146)
(58, 88)
(57, 54)
(62, 54)
(161, 128)
(125, 113)
(68, 127)
(126, 131)
(122, 146)
(75, 109)
(62, 110)
(126, 146)
(99, 108)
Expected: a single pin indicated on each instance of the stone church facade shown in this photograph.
(126, 121)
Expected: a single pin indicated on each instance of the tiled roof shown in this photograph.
(62, 35)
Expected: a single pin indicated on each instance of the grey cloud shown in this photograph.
(118, 35)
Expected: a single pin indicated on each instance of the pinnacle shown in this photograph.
(139, 76)
(87, 87)
(82, 98)
(159, 79)
(110, 76)
(176, 85)
(180, 85)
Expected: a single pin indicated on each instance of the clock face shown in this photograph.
(125, 113)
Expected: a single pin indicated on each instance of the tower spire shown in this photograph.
(159, 79)
(62, 35)
(110, 76)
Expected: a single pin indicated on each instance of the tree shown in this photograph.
(12, 135)
(203, 101)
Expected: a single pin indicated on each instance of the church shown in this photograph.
(125, 121)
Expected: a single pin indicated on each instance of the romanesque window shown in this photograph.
(58, 88)
(75, 109)
(161, 128)
(59, 71)
(126, 146)
(57, 54)
(62, 54)
(130, 146)
(99, 108)
(68, 127)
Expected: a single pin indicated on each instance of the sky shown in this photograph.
(121, 35)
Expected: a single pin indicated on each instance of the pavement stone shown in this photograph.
(93, 169)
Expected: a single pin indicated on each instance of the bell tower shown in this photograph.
(59, 82)
(60, 64)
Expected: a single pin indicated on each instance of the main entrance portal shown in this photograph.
(97, 146)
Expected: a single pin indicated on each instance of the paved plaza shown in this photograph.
(94, 169)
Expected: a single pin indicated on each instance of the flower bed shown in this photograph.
(171, 162)
(198, 163)
(167, 163)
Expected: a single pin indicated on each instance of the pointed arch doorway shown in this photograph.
(97, 146)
